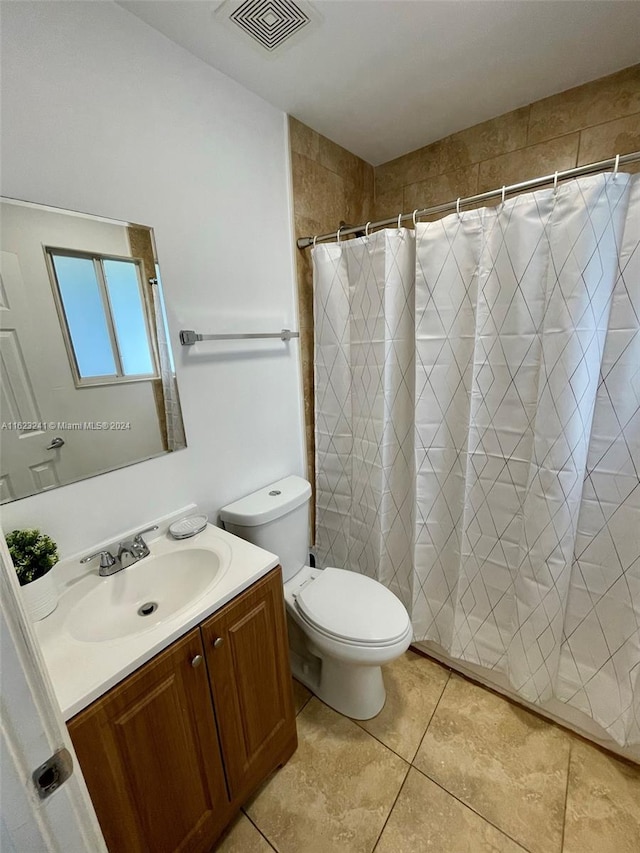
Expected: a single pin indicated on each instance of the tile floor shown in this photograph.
(446, 767)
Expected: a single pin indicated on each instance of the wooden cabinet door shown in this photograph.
(150, 756)
(248, 658)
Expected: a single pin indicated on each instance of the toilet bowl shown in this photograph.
(344, 626)
(355, 626)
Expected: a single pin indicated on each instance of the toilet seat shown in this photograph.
(352, 608)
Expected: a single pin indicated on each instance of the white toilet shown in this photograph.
(343, 626)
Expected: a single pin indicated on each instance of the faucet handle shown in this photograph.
(146, 530)
(106, 559)
(138, 546)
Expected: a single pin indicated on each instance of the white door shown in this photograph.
(32, 729)
(26, 465)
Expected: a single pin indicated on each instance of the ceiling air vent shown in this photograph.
(269, 23)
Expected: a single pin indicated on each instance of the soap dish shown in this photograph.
(187, 527)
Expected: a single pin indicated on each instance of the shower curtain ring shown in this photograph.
(504, 192)
(415, 213)
(399, 221)
(615, 168)
(366, 228)
(458, 207)
(338, 233)
(315, 240)
(555, 183)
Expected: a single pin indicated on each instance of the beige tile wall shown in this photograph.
(582, 125)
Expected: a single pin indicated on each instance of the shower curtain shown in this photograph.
(478, 435)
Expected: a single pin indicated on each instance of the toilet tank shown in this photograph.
(275, 518)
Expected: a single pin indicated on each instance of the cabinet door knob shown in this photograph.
(196, 661)
(218, 642)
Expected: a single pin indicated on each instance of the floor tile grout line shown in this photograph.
(359, 723)
(306, 701)
(393, 805)
(257, 828)
(376, 738)
(566, 795)
(433, 713)
(390, 748)
(471, 808)
(302, 707)
(366, 732)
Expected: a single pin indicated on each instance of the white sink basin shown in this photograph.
(95, 637)
(141, 596)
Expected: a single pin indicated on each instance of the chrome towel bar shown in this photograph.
(189, 337)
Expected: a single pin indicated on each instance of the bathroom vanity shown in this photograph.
(171, 753)
(172, 750)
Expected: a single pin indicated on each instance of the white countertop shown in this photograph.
(82, 671)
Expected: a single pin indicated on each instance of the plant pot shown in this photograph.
(40, 597)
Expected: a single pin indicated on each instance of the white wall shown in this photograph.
(102, 114)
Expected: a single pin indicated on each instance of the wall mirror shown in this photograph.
(87, 375)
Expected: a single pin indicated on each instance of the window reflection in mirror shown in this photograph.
(84, 349)
(102, 312)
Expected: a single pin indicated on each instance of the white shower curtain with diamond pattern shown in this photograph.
(478, 435)
(364, 388)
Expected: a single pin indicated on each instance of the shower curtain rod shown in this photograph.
(603, 165)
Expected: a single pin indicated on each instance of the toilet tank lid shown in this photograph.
(269, 503)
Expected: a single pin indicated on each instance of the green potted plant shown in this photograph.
(34, 554)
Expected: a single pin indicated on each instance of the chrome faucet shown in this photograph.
(129, 552)
(132, 550)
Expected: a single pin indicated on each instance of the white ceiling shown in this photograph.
(384, 77)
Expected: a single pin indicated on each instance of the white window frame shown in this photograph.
(97, 258)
